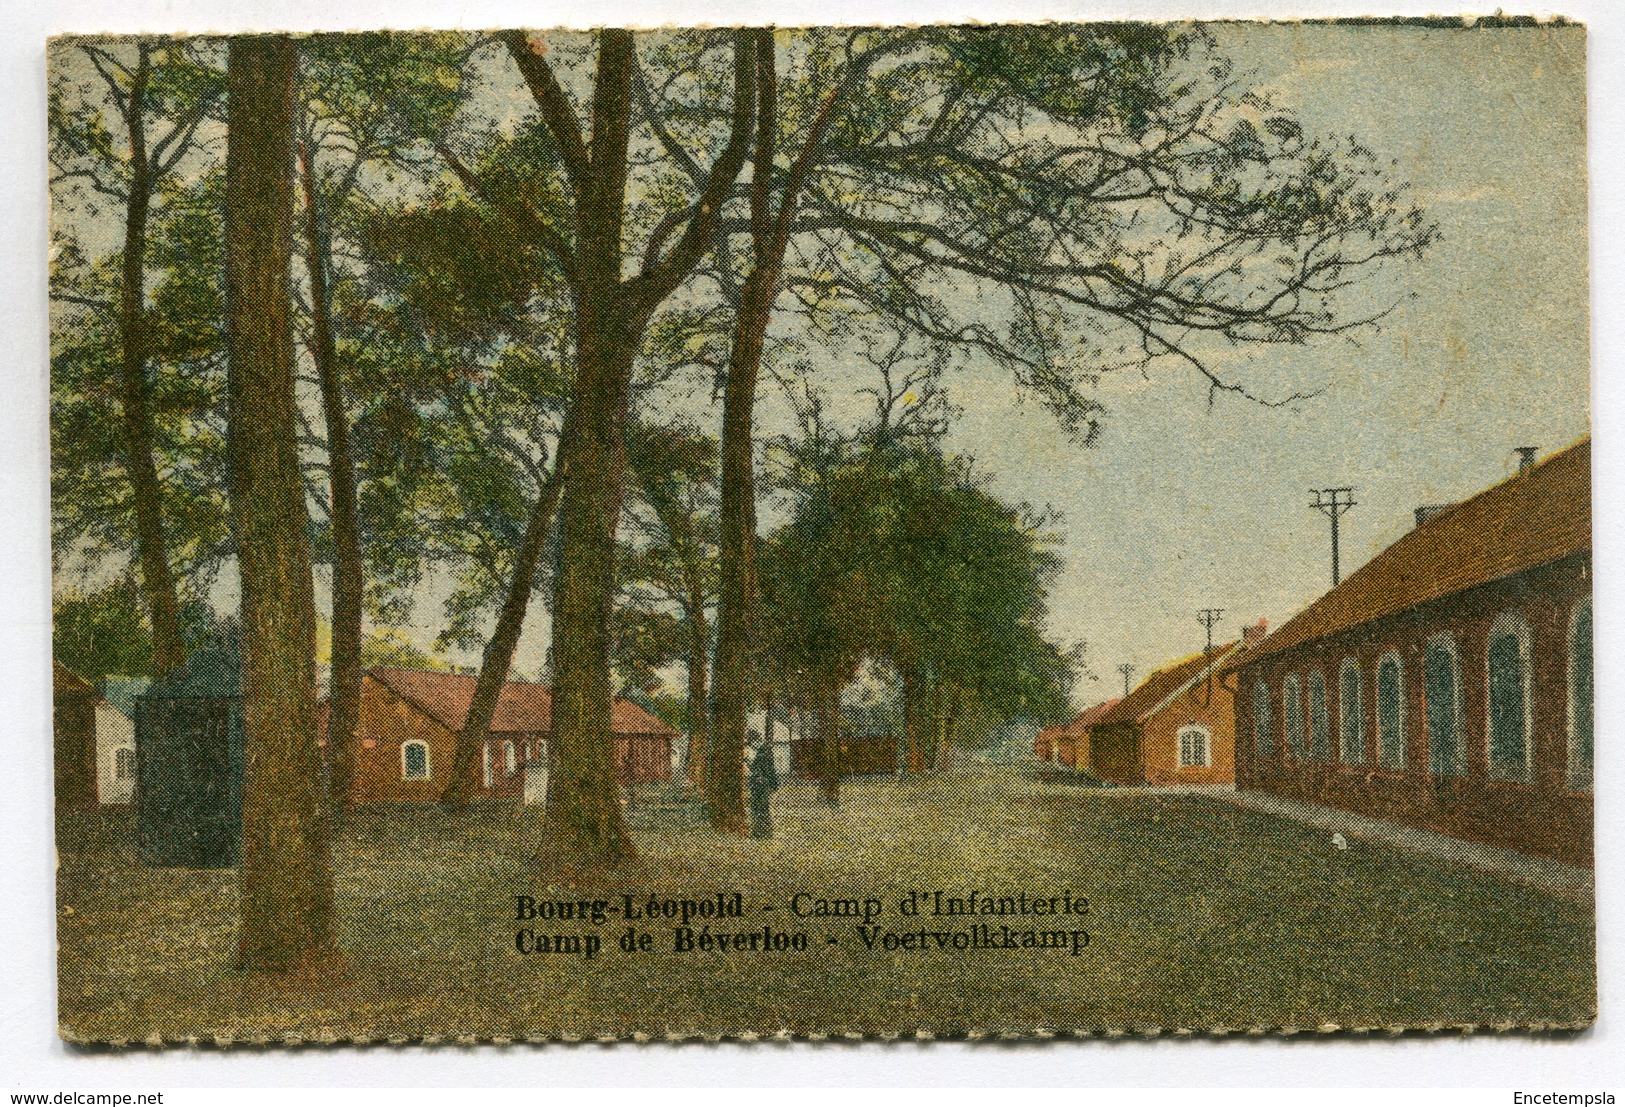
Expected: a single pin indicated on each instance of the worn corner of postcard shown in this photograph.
(939, 531)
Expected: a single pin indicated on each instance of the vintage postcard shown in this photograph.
(924, 531)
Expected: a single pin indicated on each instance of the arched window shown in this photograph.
(485, 765)
(1263, 725)
(1292, 708)
(124, 763)
(1350, 714)
(1441, 684)
(1195, 747)
(1581, 677)
(510, 758)
(414, 760)
(1320, 723)
(1391, 752)
(1509, 725)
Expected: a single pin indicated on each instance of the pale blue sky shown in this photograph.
(1183, 506)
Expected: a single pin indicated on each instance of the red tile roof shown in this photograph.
(522, 707)
(1154, 689)
(1090, 716)
(1525, 521)
(66, 682)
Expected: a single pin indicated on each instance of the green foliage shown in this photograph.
(104, 632)
(97, 634)
(902, 553)
(381, 93)
(390, 648)
(92, 506)
(1070, 200)
(643, 641)
(1061, 201)
(667, 568)
(458, 274)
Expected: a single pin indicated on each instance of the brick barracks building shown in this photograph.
(1447, 684)
(410, 720)
(1176, 727)
(1069, 745)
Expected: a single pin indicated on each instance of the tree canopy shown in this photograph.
(545, 273)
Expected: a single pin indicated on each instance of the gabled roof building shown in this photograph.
(1448, 682)
(410, 720)
(1069, 744)
(1176, 727)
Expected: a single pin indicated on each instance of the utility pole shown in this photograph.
(1208, 616)
(1128, 671)
(1333, 503)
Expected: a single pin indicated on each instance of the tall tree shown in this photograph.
(772, 212)
(1059, 201)
(676, 567)
(495, 427)
(349, 580)
(612, 311)
(286, 873)
(161, 96)
(367, 101)
(92, 506)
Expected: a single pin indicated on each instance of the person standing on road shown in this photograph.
(761, 782)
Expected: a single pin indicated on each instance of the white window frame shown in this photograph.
(124, 763)
(485, 765)
(1205, 738)
(1511, 623)
(1350, 663)
(1292, 718)
(1263, 713)
(428, 761)
(1394, 658)
(1580, 782)
(510, 757)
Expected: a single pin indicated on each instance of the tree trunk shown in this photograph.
(698, 698)
(829, 720)
(585, 826)
(499, 649)
(908, 752)
(349, 581)
(935, 755)
(736, 594)
(736, 599)
(158, 580)
(285, 880)
(950, 718)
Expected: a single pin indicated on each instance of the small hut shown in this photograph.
(189, 761)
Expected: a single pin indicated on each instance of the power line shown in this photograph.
(1208, 617)
(1128, 671)
(1333, 503)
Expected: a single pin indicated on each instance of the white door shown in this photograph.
(536, 777)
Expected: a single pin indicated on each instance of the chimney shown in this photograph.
(1526, 458)
(1253, 635)
(1428, 511)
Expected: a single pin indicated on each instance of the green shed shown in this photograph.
(189, 761)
